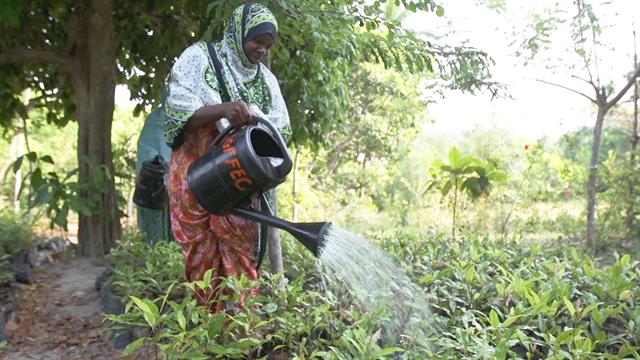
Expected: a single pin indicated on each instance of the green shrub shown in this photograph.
(488, 301)
(145, 270)
(16, 233)
(511, 300)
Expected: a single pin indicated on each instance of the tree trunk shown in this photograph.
(273, 236)
(294, 186)
(592, 231)
(364, 166)
(94, 80)
(273, 240)
(631, 209)
(18, 151)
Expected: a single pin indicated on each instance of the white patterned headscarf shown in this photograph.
(193, 83)
(238, 70)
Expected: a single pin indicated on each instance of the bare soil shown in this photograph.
(60, 315)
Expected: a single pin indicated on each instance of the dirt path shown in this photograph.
(60, 315)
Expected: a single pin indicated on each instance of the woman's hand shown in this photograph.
(238, 113)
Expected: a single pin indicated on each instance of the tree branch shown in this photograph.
(623, 91)
(567, 88)
(20, 55)
(585, 80)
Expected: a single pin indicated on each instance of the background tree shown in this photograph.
(385, 110)
(586, 36)
(319, 43)
(71, 54)
(635, 137)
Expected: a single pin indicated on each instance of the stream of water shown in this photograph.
(377, 283)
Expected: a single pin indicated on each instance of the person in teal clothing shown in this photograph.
(154, 223)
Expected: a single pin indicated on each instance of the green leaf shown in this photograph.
(454, 157)
(587, 266)
(624, 261)
(182, 321)
(569, 305)
(598, 316)
(627, 294)
(501, 350)
(510, 320)
(589, 309)
(445, 189)
(36, 178)
(270, 308)
(149, 310)
(47, 159)
(166, 295)
(494, 319)
(215, 325)
(132, 347)
(60, 217)
(207, 277)
(440, 11)
(469, 273)
(566, 337)
(388, 351)
(17, 164)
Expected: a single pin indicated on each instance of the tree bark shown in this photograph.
(273, 240)
(273, 235)
(94, 81)
(294, 186)
(631, 209)
(592, 231)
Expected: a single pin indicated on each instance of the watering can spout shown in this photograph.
(311, 234)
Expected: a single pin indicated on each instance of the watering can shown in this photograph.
(241, 163)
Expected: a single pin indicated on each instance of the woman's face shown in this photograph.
(258, 48)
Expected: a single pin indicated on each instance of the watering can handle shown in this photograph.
(287, 164)
(230, 129)
(223, 134)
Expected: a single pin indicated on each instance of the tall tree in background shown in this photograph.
(635, 137)
(71, 54)
(586, 36)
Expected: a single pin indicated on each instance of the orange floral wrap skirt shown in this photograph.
(225, 244)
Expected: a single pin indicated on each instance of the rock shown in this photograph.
(121, 339)
(111, 304)
(20, 265)
(56, 244)
(100, 280)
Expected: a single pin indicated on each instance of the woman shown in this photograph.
(155, 224)
(196, 112)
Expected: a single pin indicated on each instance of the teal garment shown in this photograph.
(155, 224)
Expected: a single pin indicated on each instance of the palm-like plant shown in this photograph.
(463, 174)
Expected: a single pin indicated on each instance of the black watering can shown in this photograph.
(244, 162)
